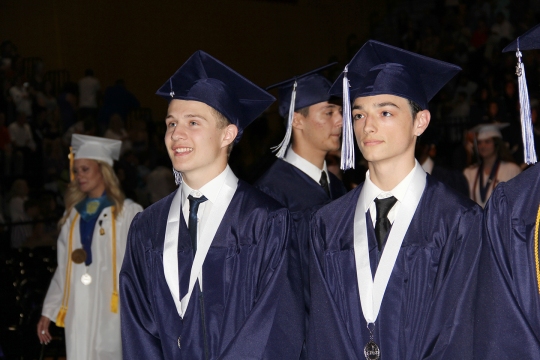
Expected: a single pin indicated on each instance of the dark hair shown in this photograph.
(221, 123)
(89, 72)
(415, 109)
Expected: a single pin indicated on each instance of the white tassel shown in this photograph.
(177, 177)
(347, 142)
(529, 152)
(282, 147)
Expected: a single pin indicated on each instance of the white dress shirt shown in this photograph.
(372, 192)
(211, 191)
(308, 168)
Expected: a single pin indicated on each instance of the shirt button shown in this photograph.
(197, 194)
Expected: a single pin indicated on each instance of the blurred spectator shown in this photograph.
(89, 88)
(67, 104)
(502, 28)
(117, 99)
(22, 142)
(480, 34)
(20, 96)
(8, 58)
(5, 147)
(46, 101)
(160, 181)
(116, 131)
(18, 195)
(139, 137)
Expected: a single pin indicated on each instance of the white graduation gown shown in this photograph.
(92, 331)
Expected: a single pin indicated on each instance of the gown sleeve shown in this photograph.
(140, 333)
(55, 293)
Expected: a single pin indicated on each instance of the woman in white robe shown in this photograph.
(83, 294)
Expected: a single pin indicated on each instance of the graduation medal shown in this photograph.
(371, 350)
(86, 279)
(78, 256)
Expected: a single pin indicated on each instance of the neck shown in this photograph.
(96, 193)
(197, 179)
(488, 162)
(314, 156)
(387, 176)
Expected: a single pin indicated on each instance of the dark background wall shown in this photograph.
(144, 42)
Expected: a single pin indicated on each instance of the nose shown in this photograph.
(178, 133)
(338, 119)
(369, 125)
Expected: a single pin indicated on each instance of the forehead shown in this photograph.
(376, 101)
(179, 107)
(324, 105)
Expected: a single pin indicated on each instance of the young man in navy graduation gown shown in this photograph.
(393, 262)
(299, 179)
(209, 283)
(508, 301)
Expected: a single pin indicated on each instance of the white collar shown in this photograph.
(370, 191)
(305, 166)
(428, 165)
(210, 190)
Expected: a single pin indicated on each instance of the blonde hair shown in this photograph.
(73, 195)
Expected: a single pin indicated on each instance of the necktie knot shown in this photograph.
(383, 206)
(324, 182)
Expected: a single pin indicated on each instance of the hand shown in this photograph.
(43, 330)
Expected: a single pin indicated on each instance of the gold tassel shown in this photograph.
(71, 157)
(114, 302)
(61, 316)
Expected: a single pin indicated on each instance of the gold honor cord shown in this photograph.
(114, 299)
(63, 309)
(536, 260)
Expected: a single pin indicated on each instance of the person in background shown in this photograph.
(83, 294)
(495, 163)
(507, 306)
(89, 91)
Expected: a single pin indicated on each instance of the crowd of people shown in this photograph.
(475, 136)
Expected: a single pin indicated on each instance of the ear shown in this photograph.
(298, 121)
(421, 122)
(229, 134)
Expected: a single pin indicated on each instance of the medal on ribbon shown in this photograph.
(78, 256)
(371, 350)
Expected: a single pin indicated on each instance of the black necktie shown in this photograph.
(324, 182)
(382, 225)
(193, 208)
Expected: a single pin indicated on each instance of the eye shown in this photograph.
(171, 124)
(193, 122)
(386, 114)
(358, 116)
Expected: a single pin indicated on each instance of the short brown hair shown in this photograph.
(221, 123)
(415, 109)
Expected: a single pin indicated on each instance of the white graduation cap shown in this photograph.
(95, 148)
(487, 131)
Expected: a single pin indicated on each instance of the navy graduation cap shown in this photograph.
(530, 40)
(377, 69)
(297, 93)
(204, 78)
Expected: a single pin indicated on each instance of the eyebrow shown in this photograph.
(379, 105)
(187, 116)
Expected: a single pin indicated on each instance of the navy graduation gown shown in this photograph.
(426, 312)
(250, 308)
(508, 301)
(453, 178)
(294, 189)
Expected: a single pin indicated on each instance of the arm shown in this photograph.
(140, 336)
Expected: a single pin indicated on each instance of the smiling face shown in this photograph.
(89, 178)
(385, 130)
(196, 143)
